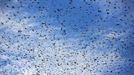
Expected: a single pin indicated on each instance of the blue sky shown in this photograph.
(66, 37)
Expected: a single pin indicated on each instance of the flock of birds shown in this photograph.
(66, 37)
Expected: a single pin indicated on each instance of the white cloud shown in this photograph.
(76, 59)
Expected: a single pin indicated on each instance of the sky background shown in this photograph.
(66, 37)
